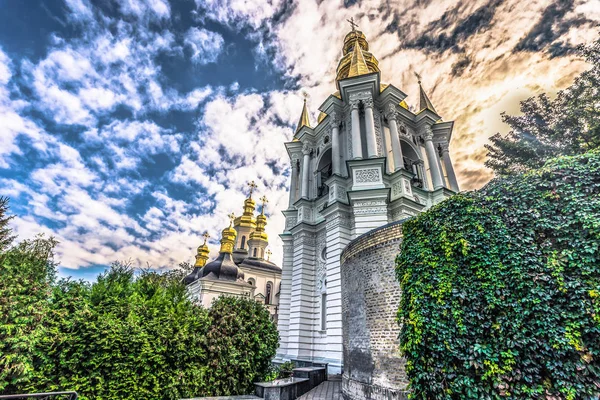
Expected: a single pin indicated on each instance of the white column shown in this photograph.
(293, 181)
(305, 168)
(432, 158)
(370, 127)
(448, 166)
(391, 115)
(283, 323)
(335, 143)
(356, 142)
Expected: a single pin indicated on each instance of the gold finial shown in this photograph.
(206, 236)
(264, 202)
(304, 118)
(352, 24)
(231, 218)
(252, 187)
(269, 252)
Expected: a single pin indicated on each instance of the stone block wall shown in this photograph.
(373, 367)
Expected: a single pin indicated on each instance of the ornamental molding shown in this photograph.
(369, 203)
(390, 111)
(341, 221)
(335, 119)
(396, 189)
(357, 96)
(378, 135)
(370, 210)
(290, 222)
(445, 146)
(367, 175)
(306, 150)
(305, 239)
(427, 133)
(368, 102)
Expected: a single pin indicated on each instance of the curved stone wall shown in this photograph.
(373, 367)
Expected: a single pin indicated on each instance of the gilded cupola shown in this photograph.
(356, 59)
(202, 253)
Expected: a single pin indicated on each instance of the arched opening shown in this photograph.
(324, 171)
(243, 245)
(252, 281)
(268, 292)
(412, 163)
(254, 252)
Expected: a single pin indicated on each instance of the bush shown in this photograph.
(501, 288)
(124, 336)
(242, 340)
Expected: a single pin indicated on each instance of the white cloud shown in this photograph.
(238, 12)
(206, 45)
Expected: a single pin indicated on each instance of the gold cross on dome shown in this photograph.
(352, 24)
(252, 187)
(264, 201)
(206, 236)
(231, 218)
(269, 252)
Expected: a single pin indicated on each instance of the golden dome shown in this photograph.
(228, 237)
(202, 253)
(356, 60)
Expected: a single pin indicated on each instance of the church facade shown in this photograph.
(369, 161)
(240, 269)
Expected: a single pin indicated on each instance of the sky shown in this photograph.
(128, 128)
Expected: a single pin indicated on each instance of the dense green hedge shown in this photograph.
(501, 288)
(124, 336)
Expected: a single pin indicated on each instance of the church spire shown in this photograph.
(424, 102)
(358, 65)
(304, 118)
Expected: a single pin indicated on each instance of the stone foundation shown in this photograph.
(373, 367)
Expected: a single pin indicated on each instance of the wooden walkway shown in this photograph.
(328, 390)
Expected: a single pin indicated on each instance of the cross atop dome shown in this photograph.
(252, 186)
(264, 202)
(352, 24)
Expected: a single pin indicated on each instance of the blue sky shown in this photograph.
(128, 128)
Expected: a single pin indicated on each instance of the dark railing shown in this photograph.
(43, 396)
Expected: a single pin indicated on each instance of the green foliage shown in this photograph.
(286, 369)
(6, 236)
(501, 288)
(123, 338)
(126, 336)
(26, 273)
(242, 341)
(567, 125)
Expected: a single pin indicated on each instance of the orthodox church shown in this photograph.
(240, 269)
(369, 161)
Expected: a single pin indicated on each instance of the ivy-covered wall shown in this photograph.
(501, 288)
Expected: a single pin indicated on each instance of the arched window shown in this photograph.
(268, 293)
(252, 281)
(243, 246)
(254, 253)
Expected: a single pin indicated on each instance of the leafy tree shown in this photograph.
(26, 274)
(242, 341)
(6, 238)
(501, 288)
(124, 338)
(567, 125)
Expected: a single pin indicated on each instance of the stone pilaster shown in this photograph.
(300, 336)
(285, 296)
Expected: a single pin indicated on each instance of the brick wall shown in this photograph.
(373, 367)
